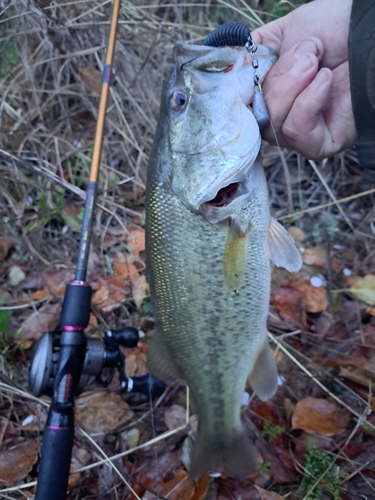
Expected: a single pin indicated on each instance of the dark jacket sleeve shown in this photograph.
(362, 82)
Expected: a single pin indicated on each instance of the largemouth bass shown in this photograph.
(209, 241)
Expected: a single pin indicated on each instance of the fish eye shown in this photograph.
(178, 100)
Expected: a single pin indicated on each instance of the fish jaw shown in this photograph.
(215, 139)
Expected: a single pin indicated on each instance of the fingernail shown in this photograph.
(306, 46)
(301, 66)
(321, 78)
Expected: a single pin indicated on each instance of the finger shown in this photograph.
(289, 76)
(281, 92)
(305, 129)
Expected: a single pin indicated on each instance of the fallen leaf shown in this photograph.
(35, 417)
(296, 233)
(135, 240)
(268, 495)
(315, 256)
(16, 462)
(15, 275)
(140, 290)
(179, 487)
(101, 411)
(319, 416)
(364, 289)
(100, 296)
(358, 367)
(131, 365)
(201, 487)
(70, 214)
(287, 302)
(91, 79)
(80, 458)
(315, 299)
(43, 320)
(174, 417)
(55, 281)
(125, 271)
(131, 437)
(39, 295)
(5, 246)
(32, 282)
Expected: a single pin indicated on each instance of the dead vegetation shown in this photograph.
(316, 437)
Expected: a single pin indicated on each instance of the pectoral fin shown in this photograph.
(234, 260)
(159, 361)
(283, 251)
(263, 376)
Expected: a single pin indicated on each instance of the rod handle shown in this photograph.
(54, 463)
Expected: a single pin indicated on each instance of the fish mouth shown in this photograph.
(224, 196)
(233, 197)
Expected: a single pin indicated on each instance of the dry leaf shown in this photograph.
(314, 256)
(70, 214)
(43, 320)
(364, 289)
(91, 79)
(80, 458)
(15, 275)
(287, 302)
(140, 290)
(268, 495)
(101, 411)
(16, 462)
(319, 416)
(315, 299)
(358, 367)
(5, 246)
(56, 280)
(100, 296)
(201, 487)
(296, 233)
(174, 417)
(39, 295)
(125, 271)
(135, 240)
(35, 418)
(179, 487)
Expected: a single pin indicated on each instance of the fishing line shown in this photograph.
(285, 167)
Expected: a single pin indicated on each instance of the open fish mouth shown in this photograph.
(232, 197)
(225, 195)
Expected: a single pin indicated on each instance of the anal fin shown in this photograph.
(283, 251)
(159, 360)
(263, 377)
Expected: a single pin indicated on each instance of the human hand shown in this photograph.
(307, 91)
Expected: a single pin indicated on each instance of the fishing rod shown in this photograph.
(65, 360)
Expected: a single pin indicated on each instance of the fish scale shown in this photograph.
(212, 332)
(208, 266)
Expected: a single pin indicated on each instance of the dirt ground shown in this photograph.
(316, 438)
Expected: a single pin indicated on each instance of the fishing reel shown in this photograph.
(100, 353)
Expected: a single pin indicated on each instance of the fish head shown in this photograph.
(213, 137)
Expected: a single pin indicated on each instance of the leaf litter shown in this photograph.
(325, 351)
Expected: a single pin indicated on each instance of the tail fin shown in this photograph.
(233, 454)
